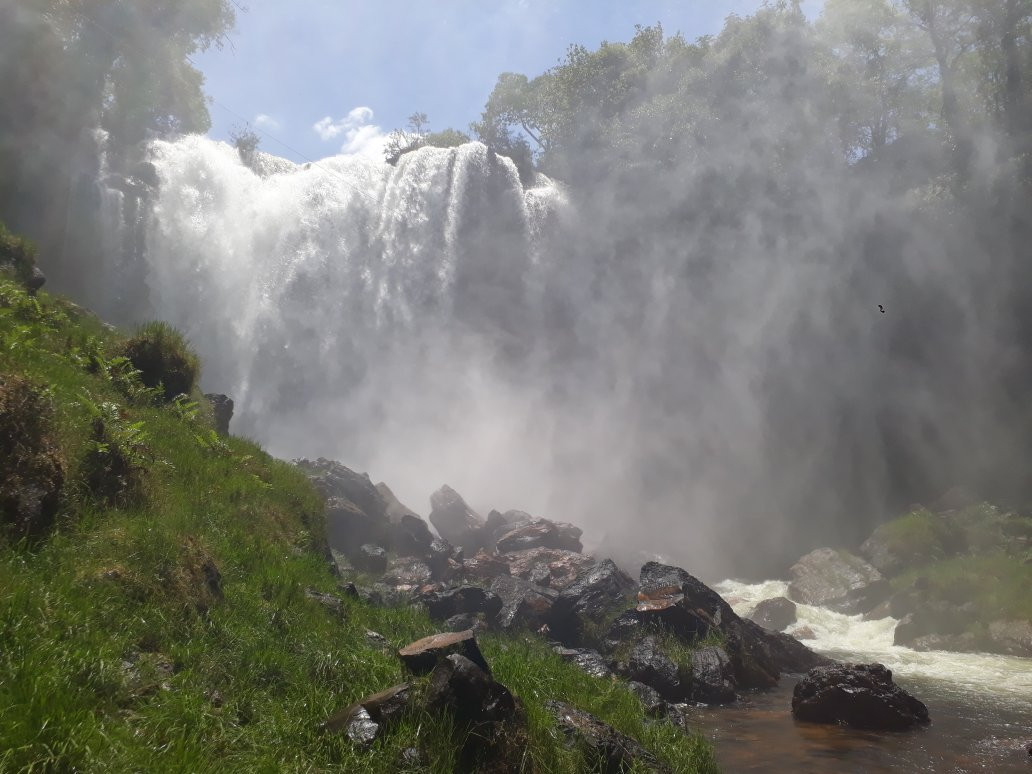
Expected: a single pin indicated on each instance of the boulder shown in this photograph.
(406, 572)
(332, 479)
(1012, 638)
(775, 614)
(381, 709)
(333, 604)
(651, 701)
(411, 536)
(548, 566)
(444, 559)
(857, 695)
(524, 605)
(455, 521)
(713, 679)
(222, 411)
(348, 527)
(36, 280)
(650, 665)
(540, 533)
(370, 558)
(421, 656)
(394, 508)
(442, 605)
(597, 589)
(837, 580)
(590, 661)
(606, 749)
(662, 601)
(485, 567)
(465, 621)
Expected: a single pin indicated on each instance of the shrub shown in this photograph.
(164, 359)
(117, 455)
(17, 253)
(31, 471)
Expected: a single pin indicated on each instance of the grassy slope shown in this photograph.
(115, 655)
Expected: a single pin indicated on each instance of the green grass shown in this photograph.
(116, 654)
(917, 537)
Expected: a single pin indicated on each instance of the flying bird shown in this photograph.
(881, 308)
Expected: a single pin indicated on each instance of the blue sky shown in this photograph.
(324, 76)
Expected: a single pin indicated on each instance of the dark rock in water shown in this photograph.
(455, 521)
(607, 749)
(485, 567)
(839, 581)
(648, 664)
(651, 701)
(523, 603)
(1012, 638)
(548, 566)
(713, 679)
(334, 604)
(421, 656)
(857, 695)
(222, 411)
(380, 709)
(370, 558)
(540, 533)
(791, 655)
(590, 661)
(774, 614)
(464, 599)
(407, 573)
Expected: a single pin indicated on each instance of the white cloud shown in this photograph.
(361, 135)
(267, 122)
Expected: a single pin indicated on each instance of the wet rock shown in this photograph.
(490, 718)
(349, 590)
(222, 411)
(334, 604)
(497, 524)
(548, 566)
(464, 622)
(960, 643)
(662, 601)
(380, 709)
(348, 527)
(774, 614)
(464, 599)
(651, 701)
(624, 628)
(934, 617)
(649, 664)
(713, 679)
(377, 640)
(455, 521)
(540, 533)
(524, 605)
(791, 655)
(804, 633)
(597, 590)
(607, 749)
(839, 581)
(37, 279)
(370, 558)
(485, 567)
(443, 558)
(407, 572)
(857, 695)
(421, 656)
(411, 536)
(590, 661)
(333, 480)
(1012, 638)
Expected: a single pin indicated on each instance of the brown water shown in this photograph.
(966, 734)
(980, 706)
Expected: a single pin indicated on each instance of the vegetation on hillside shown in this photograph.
(158, 613)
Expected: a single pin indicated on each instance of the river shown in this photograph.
(980, 705)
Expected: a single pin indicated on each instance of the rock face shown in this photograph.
(222, 411)
(713, 679)
(774, 614)
(455, 521)
(607, 749)
(857, 695)
(648, 664)
(837, 580)
(421, 656)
